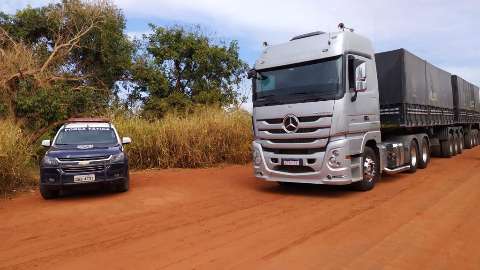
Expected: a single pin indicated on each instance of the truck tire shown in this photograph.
(48, 194)
(475, 138)
(424, 154)
(455, 144)
(447, 147)
(460, 143)
(370, 170)
(414, 156)
(468, 141)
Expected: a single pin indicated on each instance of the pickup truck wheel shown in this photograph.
(48, 194)
(424, 154)
(414, 156)
(124, 186)
(468, 141)
(371, 170)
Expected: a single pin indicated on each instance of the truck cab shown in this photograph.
(316, 110)
(84, 152)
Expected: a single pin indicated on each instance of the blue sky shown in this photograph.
(445, 33)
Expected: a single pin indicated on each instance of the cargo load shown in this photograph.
(464, 100)
(417, 91)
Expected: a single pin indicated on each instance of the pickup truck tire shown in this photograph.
(424, 154)
(370, 169)
(124, 186)
(414, 156)
(48, 194)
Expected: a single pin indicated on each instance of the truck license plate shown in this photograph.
(292, 162)
(84, 178)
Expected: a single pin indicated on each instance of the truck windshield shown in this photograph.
(86, 136)
(302, 82)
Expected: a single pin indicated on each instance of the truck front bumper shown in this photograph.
(321, 172)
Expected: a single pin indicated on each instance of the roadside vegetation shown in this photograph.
(205, 138)
(168, 89)
(15, 162)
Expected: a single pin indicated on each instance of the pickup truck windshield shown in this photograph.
(300, 82)
(85, 136)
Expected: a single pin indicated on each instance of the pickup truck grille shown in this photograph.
(83, 169)
(85, 158)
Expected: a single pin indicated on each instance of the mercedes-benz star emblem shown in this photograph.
(290, 123)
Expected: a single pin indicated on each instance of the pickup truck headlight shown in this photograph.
(49, 161)
(118, 158)
(333, 160)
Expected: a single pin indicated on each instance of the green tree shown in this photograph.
(178, 67)
(68, 56)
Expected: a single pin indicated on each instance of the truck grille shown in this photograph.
(312, 133)
(82, 169)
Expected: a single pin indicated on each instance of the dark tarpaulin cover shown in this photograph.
(463, 94)
(477, 98)
(406, 78)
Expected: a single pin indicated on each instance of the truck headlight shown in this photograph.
(118, 158)
(257, 157)
(334, 160)
(49, 161)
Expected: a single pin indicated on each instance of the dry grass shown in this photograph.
(206, 138)
(15, 166)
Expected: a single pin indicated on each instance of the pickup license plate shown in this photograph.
(292, 162)
(84, 178)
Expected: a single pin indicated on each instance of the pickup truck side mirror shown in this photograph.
(46, 143)
(252, 73)
(126, 140)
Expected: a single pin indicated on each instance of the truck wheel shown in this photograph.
(460, 143)
(475, 139)
(414, 156)
(48, 194)
(468, 141)
(424, 154)
(371, 170)
(446, 148)
(455, 145)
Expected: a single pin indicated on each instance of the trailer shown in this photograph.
(328, 110)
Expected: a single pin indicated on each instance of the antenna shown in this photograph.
(342, 27)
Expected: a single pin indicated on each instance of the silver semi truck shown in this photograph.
(328, 110)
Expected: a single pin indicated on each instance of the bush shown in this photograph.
(14, 158)
(207, 137)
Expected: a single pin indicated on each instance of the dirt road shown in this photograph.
(223, 218)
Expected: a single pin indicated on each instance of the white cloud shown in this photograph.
(10, 6)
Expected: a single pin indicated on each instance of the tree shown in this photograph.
(61, 59)
(178, 67)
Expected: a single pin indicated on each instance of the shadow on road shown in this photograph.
(81, 193)
(307, 190)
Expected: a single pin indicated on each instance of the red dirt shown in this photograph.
(223, 218)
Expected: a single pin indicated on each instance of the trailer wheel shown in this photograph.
(424, 154)
(447, 147)
(414, 156)
(455, 145)
(460, 143)
(468, 141)
(475, 139)
(371, 170)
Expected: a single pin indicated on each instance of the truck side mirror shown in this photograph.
(252, 73)
(46, 143)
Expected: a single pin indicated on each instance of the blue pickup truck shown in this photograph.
(84, 152)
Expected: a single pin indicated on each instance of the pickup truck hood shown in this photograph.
(73, 151)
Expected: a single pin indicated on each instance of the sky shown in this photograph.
(445, 33)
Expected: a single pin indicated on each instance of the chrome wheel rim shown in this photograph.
(369, 169)
(451, 147)
(424, 153)
(413, 156)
